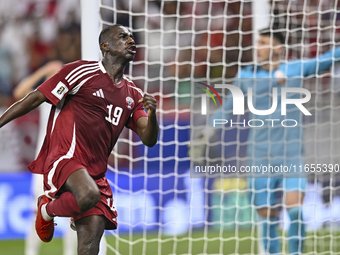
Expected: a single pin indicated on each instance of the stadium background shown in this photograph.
(161, 209)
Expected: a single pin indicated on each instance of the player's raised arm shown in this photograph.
(23, 106)
(147, 128)
(321, 63)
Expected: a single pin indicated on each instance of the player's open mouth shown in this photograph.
(132, 49)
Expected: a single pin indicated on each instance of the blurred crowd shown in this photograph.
(31, 34)
(178, 42)
(34, 32)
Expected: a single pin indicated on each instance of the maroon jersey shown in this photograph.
(88, 114)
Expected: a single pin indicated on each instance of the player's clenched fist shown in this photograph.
(149, 102)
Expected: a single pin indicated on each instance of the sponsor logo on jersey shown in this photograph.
(130, 103)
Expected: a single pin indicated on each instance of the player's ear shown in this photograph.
(104, 47)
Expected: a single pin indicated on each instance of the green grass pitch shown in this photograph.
(210, 242)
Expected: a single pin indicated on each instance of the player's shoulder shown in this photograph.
(248, 68)
(127, 79)
(245, 71)
(78, 69)
(295, 62)
(294, 67)
(132, 87)
(80, 63)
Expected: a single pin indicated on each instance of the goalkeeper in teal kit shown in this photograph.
(273, 144)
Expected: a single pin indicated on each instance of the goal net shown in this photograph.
(185, 48)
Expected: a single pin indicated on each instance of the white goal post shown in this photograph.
(90, 29)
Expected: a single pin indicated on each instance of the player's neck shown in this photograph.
(115, 71)
(271, 66)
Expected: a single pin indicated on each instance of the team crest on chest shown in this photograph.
(130, 103)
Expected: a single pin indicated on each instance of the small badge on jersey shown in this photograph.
(280, 77)
(130, 103)
(60, 90)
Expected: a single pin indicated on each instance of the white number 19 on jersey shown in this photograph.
(117, 113)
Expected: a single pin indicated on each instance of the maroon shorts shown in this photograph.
(57, 175)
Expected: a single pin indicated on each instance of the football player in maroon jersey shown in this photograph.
(91, 101)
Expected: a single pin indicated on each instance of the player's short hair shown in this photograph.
(103, 34)
(273, 33)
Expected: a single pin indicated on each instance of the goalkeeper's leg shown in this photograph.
(268, 230)
(294, 198)
(263, 197)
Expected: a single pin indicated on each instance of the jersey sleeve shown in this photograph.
(58, 86)
(321, 63)
(137, 112)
